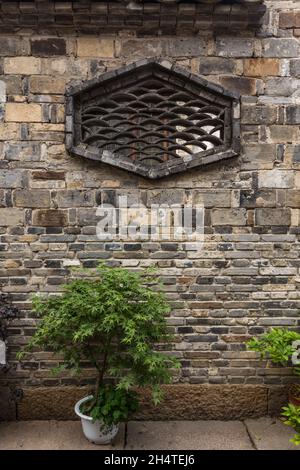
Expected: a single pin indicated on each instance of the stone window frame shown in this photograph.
(188, 81)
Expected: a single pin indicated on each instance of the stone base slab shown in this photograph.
(193, 402)
(181, 402)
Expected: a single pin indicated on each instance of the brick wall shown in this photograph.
(245, 279)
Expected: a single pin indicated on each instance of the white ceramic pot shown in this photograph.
(93, 431)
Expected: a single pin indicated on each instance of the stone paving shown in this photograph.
(251, 434)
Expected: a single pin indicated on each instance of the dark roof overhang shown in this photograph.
(144, 16)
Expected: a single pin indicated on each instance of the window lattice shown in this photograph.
(153, 120)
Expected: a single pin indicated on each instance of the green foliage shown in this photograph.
(114, 320)
(276, 345)
(112, 405)
(292, 418)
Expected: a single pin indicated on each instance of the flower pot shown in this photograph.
(294, 395)
(95, 432)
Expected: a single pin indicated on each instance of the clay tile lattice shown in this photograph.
(152, 118)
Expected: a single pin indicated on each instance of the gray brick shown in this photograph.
(216, 65)
(228, 216)
(274, 47)
(11, 178)
(228, 46)
(75, 198)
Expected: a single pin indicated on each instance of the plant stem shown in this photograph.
(101, 375)
(99, 380)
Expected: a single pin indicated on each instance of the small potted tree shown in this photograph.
(114, 320)
(282, 346)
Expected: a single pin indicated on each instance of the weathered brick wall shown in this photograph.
(245, 279)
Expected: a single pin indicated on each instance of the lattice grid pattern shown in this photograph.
(153, 122)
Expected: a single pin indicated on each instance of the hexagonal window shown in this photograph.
(152, 118)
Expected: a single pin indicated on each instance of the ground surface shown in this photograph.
(252, 434)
